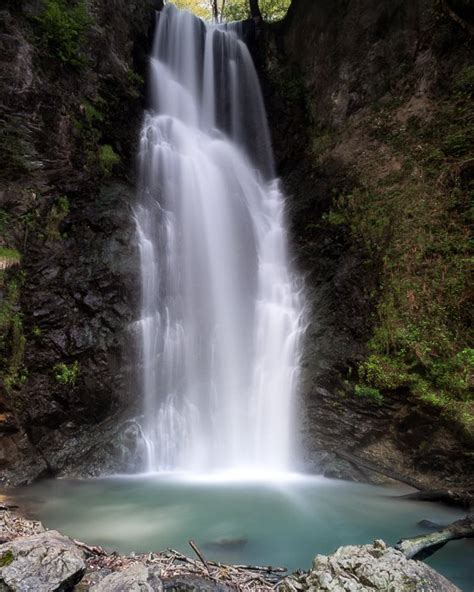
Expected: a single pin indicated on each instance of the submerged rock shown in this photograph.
(43, 562)
(228, 544)
(364, 568)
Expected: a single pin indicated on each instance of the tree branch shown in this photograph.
(455, 16)
(255, 10)
(424, 545)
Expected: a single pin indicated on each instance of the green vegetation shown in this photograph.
(66, 373)
(10, 255)
(135, 84)
(323, 139)
(272, 10)
(92, 111)
(63, 27)
(369, 393)
(57, 214)
(100, 158)
(6, 558)
(235, 10)
(12, 339)
(414, 224)
(108, 159)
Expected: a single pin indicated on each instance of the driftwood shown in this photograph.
(244, 577)
(199, 553)
(90, 550)
(424, 545)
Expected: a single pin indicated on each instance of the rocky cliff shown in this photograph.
(370, 105)
(72, 97)
(371, 108)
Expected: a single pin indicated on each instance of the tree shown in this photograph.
(214, 10)
(255, 9)
(268, 10)
(235, 10)
(199, 7)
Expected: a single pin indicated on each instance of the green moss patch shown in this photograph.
(6, 559)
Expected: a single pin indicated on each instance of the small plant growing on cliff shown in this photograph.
(57, 214)
(8, 257)
(63, 28)
(108, 159)
(368, 392)
(66, 373)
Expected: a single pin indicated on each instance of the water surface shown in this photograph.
(273, 522)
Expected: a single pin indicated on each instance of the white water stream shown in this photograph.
(221, 314)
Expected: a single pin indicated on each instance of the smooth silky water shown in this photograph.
(220, 327)
(279, 521)
(222, 314)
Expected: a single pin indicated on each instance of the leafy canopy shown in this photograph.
(235, 10)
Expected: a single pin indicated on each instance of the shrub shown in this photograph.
(66, 373)
(383, 372)
(92, 112)
(108, 159)
(369, 393)
(63, 28)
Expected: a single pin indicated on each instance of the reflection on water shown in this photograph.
(279, 522)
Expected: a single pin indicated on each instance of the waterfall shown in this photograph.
(221, 315)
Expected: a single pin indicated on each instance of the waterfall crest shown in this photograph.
(221, 316)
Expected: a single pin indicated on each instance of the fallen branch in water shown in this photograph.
(424, 545)
(196, 549)
(267, 569)
(92, 550)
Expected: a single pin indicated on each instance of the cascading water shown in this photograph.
(221, 315)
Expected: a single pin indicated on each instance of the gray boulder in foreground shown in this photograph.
(367, 568)
(135, 578)
(45, 562)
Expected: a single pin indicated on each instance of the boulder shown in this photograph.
(368, 568)
(135, 578)
(45, 562)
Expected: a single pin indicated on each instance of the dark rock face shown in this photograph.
(77, 289)
(325, 68)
